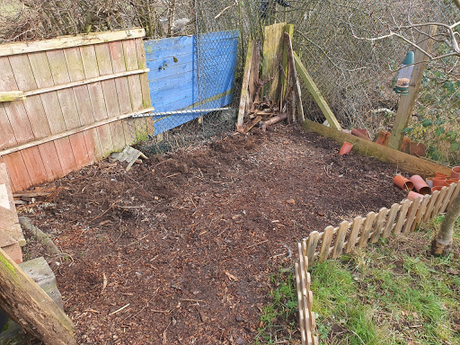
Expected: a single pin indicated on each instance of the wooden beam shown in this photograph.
(407, 102)
(314, 91)
(403, 161)
(27, 304)
(295, 80)
(73, 131)
(244, 98)
(272, 59)
(69, 41)
(83, 82)
(11, 96)
(288, 30)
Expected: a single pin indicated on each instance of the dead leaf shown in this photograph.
(290, 201)
(230, 276)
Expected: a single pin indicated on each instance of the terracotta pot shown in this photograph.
(437, 188)
(414, 195)
(455, 173)
(383, 138)
(420, 185)
(403, 182)
(361, 133)
(346, 147)
(451, 180)
(438, 174)
(439, 181)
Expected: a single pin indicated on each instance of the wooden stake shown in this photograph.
(292, 68)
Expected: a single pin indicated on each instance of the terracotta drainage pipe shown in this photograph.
(403, 182)
(420, 185)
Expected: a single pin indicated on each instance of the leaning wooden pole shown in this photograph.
(27, 304)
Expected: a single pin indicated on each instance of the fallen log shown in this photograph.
(263, 124)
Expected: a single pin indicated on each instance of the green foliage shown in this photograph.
(280, 316)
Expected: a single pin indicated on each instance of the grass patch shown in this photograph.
(389, 293)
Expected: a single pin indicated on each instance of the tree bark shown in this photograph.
(442, 243)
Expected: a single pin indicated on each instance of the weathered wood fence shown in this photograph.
(401, 218)
(73, 96)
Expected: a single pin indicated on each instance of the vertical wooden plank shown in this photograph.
(431, 205)
(412, 214)
(326, 243)
(122, 86)
(391, 219)
(43, 78)
(402, 216)
(7, 138)
(144, 79)
(454, 195)
(97, 98)
(339, 239)
(273, 54)
(66, 98)
(17, 170)
(245, 92)
(109, 89)
(300, 304)
(448, 198)
(441, 198)
(84, 108)
(311, 245)
(134, 81)
(378, 227)
(305, 281)
(420, 212)
(368, 222)
(45, 167)
(356, 225)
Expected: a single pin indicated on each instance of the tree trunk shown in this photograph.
(442, 243)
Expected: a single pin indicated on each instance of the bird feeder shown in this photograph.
(404, 75)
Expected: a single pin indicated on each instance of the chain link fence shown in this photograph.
(340, 43)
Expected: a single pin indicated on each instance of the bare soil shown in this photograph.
(180, 249)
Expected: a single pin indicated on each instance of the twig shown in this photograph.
(118, 310)
(256, 244)
(226, 8)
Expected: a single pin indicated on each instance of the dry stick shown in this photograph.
(118, 310)
(273, 120)
(256, 244)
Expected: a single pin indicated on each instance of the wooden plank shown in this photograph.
(439, 202)
(65, 134)
(412, 215)
(420, 212)
(391, 219)
(11, 96)
(378, 227)
(326, 243)
(104, 62)
(145, 90)
(305, 282)
(339, 239)
(244, 96)
(448, 197)
(405, 162)
(69, 41)
(135, 88)
(122, 86)
(316, 93)
(402, 216)
(368, 222)
(295, 80)
(63, 154)
(273, 54)
(43, 166)
(97, 98)
(59, 71)
(407, 102)
(285, 63)
(7, 138)
(30, 306)
(456, 192)
(300, 304)
(17, 170)
(431, 205)
(355, 227)
(86, 112)
(254, 74)
(311, 245)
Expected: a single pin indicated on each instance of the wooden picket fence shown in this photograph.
(399, 219)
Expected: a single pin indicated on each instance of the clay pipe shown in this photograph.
(273, 120)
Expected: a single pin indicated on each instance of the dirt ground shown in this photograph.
(180, 249)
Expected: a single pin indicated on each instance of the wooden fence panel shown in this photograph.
(78, 91)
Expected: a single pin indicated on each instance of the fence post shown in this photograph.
(407, 102)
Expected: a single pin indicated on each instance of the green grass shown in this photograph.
(393, 292)
(389, 293)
